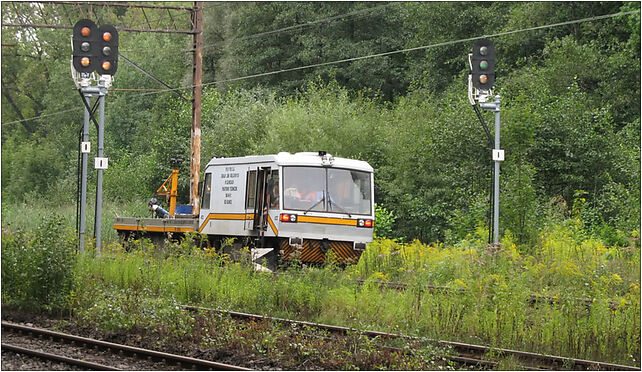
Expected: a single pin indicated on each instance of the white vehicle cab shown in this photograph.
(300, 206)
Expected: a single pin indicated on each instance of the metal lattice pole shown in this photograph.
(99, 175)
(498, 157)
(83, 185)
(497, 162)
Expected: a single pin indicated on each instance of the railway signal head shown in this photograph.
(85, 46)
(107, 50)
(483, 64)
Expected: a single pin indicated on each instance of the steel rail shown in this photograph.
(57, 358)
(532, 298)
(459, 359)
(332, 328)
(206, 364)
(466, 349)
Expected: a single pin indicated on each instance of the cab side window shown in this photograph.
(250, 195)
(273, 189)
(207, 191)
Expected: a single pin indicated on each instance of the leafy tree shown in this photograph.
(324, 118)
(443, 22)
(244, 44)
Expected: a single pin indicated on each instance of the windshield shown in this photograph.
(327, 190)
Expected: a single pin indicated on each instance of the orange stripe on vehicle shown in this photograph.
(340, 249)
(153, 228)
(312, 252)
(232, 216)
(272, 226)
(312, 255)
(327, 220)
(226, 216)
(315, 253)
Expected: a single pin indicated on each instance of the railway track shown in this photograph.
(532, 299)
(51, 344)
(56, 358)
(468, 354)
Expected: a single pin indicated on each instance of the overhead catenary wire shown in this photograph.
(406, 50)
(149, 74)
(312, 23)
(352, 59)
(135, 66)
(42, 116)
(271, 32)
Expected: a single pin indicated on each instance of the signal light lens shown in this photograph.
(85, 31)
(483, 50)
(106, 51)
(483, 79)
(85, 46)
(84, 61)
(483, 64)
(106, 65)
(107, 36)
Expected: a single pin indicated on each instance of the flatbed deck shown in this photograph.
(175, 225)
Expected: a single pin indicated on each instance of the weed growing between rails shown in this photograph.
(195, 275)
(492, 308)
(142, 290)
(495, 286)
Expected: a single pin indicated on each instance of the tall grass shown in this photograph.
(492, 308)
(488, 300)
(28, 216)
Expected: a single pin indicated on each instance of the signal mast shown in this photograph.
(94, 61)
(480, 85)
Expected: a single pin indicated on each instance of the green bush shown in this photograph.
(37, 266)
(384, 220)
(29, 168)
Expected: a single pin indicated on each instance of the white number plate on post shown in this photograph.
(100, 163)
(85, 147)
(498, 155)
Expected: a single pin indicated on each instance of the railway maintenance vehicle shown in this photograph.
(286, 206)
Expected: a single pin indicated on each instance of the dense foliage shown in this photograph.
(570, 108)
(37, 266)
